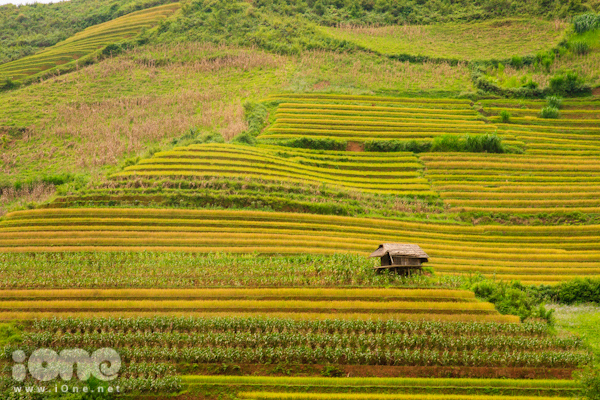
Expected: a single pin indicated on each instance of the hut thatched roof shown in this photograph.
(400, 249)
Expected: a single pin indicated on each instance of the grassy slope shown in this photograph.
(587, 65)
(583, 320)
(497, 39)
(105, 112)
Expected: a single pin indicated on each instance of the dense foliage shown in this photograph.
(382, 12)
(28, 28)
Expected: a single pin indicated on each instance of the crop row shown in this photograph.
(379, 396)
(298, 316)
(223, 160)
(364, 98)
(382, 114)
(132, 233)
(239, 339)
(247, 293)
(410, 132)
(434, 383)
(289, 155)
(266, 306)
(358, 388)
(131, 236)
(266, 325)
(348, 356)
(536, 184)
(338, 123)
(195, 231)
(304, 221)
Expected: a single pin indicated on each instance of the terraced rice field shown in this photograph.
(363, 118)
(406, 304)
(420, 388)
(373, 172)
(575, 133)
(515, 183)
(258, 340)
(533, 254)
(86, 42)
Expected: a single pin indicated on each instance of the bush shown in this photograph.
(212, 137)
(580, 47)
(447, 142)
(9, 84)
(549, 112)
(256, 116)
(397, 145)
(487, 143)
(315, 144)
(589, 381)
(516, 62)
(554, 101)
(586, 22)
(484, 143)
(245, 138)
(579, 290)
(505, 116)
(512, 299)
(569, 83)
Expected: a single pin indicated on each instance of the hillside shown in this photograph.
(197, 187)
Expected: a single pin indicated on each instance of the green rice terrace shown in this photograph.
(289, 200)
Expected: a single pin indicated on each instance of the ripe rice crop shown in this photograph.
(570, 135)
(206, 231)
(266, 306)
(379, 382)
(87, 42)
(367, 117)
(524, 185)
(243, 293)
(398, 174)
(379, 396)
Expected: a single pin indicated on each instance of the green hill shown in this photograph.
(198, 186)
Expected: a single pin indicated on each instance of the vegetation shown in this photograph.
(29, 28)
(455, 42)
(84, 46)
(201, 192)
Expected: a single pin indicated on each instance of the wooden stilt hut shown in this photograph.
(403, 258)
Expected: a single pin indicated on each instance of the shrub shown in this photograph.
(245, 138)
(516, 62)
(512, 298)
(447, 142)
(589, 380)
(580, 47)
(549, 112)
(569, 83)
(212, 137)
(315, 144)
(256, 116)
(9, 84)
(397, 145)
(554, 101)
(505, 116)
(586, 22)
(579, 290)
(487, 143)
